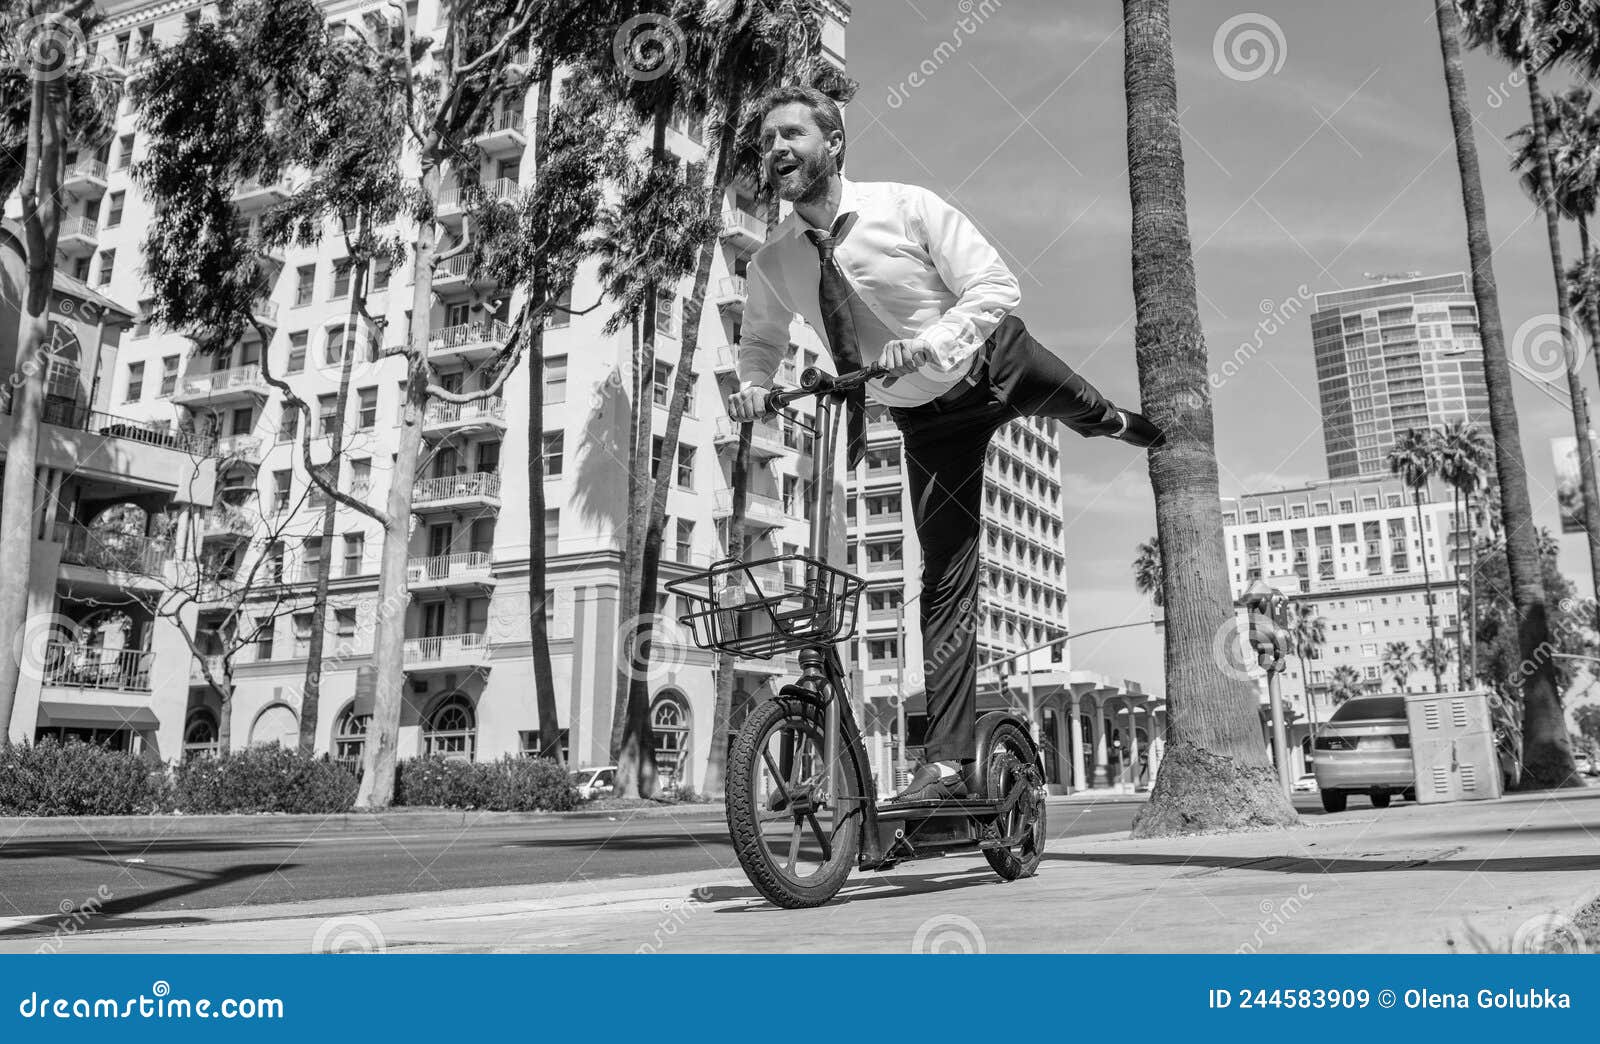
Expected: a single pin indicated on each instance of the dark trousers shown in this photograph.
(945, 445)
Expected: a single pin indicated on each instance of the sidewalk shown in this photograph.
(1408, 879)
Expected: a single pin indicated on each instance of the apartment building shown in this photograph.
(1398, 354)
(1351, 551)
(469, 681)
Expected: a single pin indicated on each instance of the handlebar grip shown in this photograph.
(779, 398)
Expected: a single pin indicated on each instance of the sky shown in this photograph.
(1318, 148)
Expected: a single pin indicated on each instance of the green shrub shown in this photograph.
(78, 779)
(264, 779)
(512, 784)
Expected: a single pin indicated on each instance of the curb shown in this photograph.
(179, 827)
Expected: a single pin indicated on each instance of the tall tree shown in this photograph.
(69, 102)
(1416, 460)
(1345, 684)
(1532, 34)
(1215, 775)
(1399, 662)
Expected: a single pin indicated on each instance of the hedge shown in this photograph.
(78, 779)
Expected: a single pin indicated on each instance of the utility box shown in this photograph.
(1452, 746)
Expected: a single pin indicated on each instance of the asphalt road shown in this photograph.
(237, 869)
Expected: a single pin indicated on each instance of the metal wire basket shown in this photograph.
(772, 606)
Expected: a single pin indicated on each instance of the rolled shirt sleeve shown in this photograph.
(974, 272)
(764, 333)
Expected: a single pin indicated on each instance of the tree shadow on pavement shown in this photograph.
(89, 916)
(861, 889)
(1336, 865)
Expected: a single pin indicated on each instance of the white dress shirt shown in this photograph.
(918, 265)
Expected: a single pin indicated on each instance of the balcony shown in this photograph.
(226, 525)
(455, 199)
(730, 293)
(252, 195)
(265, 312)
(468, 571)
(743, 229)
(725, 360)
(111, 551)
(468, 342)
(239, 449)
(86, 178)
(466, 492)
(480, 416)
(760, 510)
(507, 135)
(80, 236)
(238, 385)
(446, 652)
(68, 665)
(766, 438)
(455, 278)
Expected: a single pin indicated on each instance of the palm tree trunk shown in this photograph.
(1522, 553)
(1546, 746)
(381, 750)
(1471, 625)
(311, 692)
(1427, 587)
(1216, 774)
(713, 785)
(43, 171)
(544, 684)
(1455, 569)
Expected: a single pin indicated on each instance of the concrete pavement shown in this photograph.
(1407, 879)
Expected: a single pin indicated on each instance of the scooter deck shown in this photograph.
(970, 808)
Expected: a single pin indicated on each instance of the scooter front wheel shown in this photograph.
(1014, 763)
(796, 840)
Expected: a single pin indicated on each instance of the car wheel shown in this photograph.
(1333, 800)
(1380, 799)
(1409, 794)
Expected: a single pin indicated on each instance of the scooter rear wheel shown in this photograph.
(797, 855)
(1013, 759)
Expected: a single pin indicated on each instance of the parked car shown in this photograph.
(1306, 783)
(1365, 748)
(595, 782)
(1585, 764)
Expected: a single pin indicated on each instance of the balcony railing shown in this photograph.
(732, 290)
(469, 565)
(218, 382)
(743, 223)
(444, 648)
(455, 196)
(79, 225)
(226, 522)
(87, 168)
(239, 447)
(478, 485)
(89, 667)
(468, 336)
(111, 550)
(490, 407)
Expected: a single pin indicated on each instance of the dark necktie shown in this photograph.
(839, 324)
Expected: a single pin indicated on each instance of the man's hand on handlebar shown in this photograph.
(903, 357)
(748, 404)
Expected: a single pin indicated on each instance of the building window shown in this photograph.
(367, 417)
(452, 730)
(302, 634)
(327, 414)
(135, 382)
(360, 476)
(169, 376)
(669, 719)
(350, 734)
(685, 476)
(282, 482)
(344, 624)
(341, 279)
(311, 558)
(305, 283)
(200, 736)
(380, 274)
(883, 652)
(114, 209)
(555, 379)
(124, 151)
(355, 549)
(661, 388)
(141, 325)
(334, 344)
(560, 315)
(552, 530)
(264, 625)
(554, 445)
(108, 263)
(685, 539)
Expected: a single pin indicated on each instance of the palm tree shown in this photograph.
(1216, 774)
(1416, 459)
(1147, 569)
(61, 106)
(1399, 662)
(1436, 655)
(1465, 455)
(1346, 683)
(1308, 632)
(1505, 23)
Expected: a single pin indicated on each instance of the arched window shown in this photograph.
(277, 725)
(200, 735)
(350, 734)
(452, 729)
(669, 720)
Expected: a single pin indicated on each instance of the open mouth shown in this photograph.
(784, 168)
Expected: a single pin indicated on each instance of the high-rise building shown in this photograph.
(1391, 356)
(469, 688)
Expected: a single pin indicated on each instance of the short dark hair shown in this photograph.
(824, 110)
